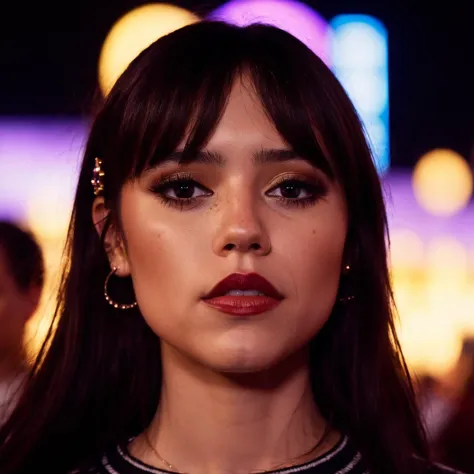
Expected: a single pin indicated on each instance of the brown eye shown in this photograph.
(180, 191)
(297, 192)
(183, 189)
(180, 188)
(292, 190)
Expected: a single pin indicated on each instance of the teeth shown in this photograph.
(244, 293)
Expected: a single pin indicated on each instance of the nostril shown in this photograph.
(253, 246)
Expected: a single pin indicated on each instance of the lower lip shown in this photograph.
(242, 305)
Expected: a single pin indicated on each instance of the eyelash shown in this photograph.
(167, 183)
(317, 190)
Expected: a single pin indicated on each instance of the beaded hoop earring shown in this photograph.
(110, 300)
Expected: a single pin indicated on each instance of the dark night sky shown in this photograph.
(49, 54)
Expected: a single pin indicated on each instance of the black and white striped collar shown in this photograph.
(343, 458)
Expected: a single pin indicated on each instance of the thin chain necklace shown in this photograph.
(291, 462)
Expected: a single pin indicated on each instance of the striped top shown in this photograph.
(343, 458)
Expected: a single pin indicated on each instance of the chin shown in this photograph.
(237, 356)
(242, 363)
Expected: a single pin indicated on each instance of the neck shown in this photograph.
(214, 423)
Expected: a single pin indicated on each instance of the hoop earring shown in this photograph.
(110, 300)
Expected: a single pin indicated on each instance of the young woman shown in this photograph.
(226, 305)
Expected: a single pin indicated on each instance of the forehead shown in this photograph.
(244, 121)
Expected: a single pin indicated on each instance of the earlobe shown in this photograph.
(113, 243)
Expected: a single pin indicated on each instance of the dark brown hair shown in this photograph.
(97, 379)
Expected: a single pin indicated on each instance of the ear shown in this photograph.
(114, 244)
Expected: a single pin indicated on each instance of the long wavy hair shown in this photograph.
(97, 379)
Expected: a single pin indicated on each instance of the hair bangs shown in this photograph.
(276, 72)
(173, 94)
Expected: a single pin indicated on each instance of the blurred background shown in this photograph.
(408, 69)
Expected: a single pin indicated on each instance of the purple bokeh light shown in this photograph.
(39, 163)
(294, 17)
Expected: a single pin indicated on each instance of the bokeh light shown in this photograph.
(442, 182)
(294, 17)
(360, 42)
(134, 32)
(429, 343)
(359, 56)
(447, 254)
(406, 248)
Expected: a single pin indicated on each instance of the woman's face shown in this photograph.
(247, 205)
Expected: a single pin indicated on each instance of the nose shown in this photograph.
(241, 230)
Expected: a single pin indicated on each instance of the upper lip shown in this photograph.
(244, 281)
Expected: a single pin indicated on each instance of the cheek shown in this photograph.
(153, 257)
(165, 254)
(314, 248)
(313, 264)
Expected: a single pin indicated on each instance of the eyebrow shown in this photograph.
(260, 157)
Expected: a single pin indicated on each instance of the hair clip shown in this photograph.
(97, 175)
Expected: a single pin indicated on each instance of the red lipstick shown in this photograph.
(243, 295)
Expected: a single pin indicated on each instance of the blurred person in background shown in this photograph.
(21, 282)
(454, 444)
(436, 405)
(226, 305)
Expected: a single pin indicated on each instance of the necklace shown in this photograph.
(289, 463)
